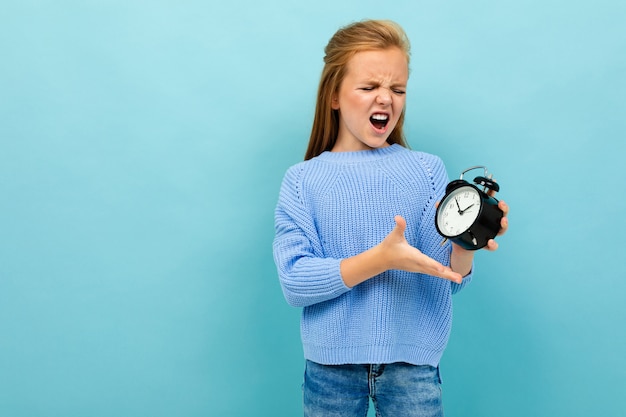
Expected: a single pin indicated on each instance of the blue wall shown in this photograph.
(142, 145)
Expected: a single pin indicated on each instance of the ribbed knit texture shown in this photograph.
(338, 205)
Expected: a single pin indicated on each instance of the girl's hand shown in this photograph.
(492, 245)
(397, 253)
(394, 252)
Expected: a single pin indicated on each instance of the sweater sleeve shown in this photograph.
(306, 276)
(466, 280)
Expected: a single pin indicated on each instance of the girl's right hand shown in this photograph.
(397, 253)
(394, 252)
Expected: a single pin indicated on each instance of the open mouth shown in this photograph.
(379, 120)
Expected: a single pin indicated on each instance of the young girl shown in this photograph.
(356, 244)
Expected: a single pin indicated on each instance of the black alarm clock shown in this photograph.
(467, 215)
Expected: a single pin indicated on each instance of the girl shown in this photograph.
(356, 244)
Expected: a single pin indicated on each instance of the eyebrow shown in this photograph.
(376, 82)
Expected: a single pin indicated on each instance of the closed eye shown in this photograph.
(398, 91)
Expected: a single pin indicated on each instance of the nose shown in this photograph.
(384, 96)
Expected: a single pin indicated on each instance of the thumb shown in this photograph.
(400, 225)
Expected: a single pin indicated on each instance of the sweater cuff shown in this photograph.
(466, 280)
(314, 283)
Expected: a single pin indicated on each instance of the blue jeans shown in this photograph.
(396, 389)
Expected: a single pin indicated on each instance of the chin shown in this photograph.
(382, 145)
(374, 144)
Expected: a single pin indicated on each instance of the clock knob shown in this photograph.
(487, 183)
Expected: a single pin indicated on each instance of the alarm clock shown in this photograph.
(467, 215)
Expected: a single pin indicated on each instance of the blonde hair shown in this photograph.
(361, 36)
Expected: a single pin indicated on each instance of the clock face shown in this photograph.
(458, 211)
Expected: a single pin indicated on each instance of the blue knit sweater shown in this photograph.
(338, 205)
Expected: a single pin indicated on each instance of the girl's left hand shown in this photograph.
(504, 226)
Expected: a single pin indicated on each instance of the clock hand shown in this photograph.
(456, 200)
(463, 211)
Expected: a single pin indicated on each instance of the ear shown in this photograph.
(334, 101)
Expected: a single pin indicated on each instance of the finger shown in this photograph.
(456, 278)
(450, 275)
(492, 245)
(445, 272)
(504, 226)
(400, 225)
(504, 207)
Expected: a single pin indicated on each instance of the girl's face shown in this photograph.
(370, 99)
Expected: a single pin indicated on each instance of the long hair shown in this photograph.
(361, 36)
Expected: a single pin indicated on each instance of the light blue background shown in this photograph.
(142, 148)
